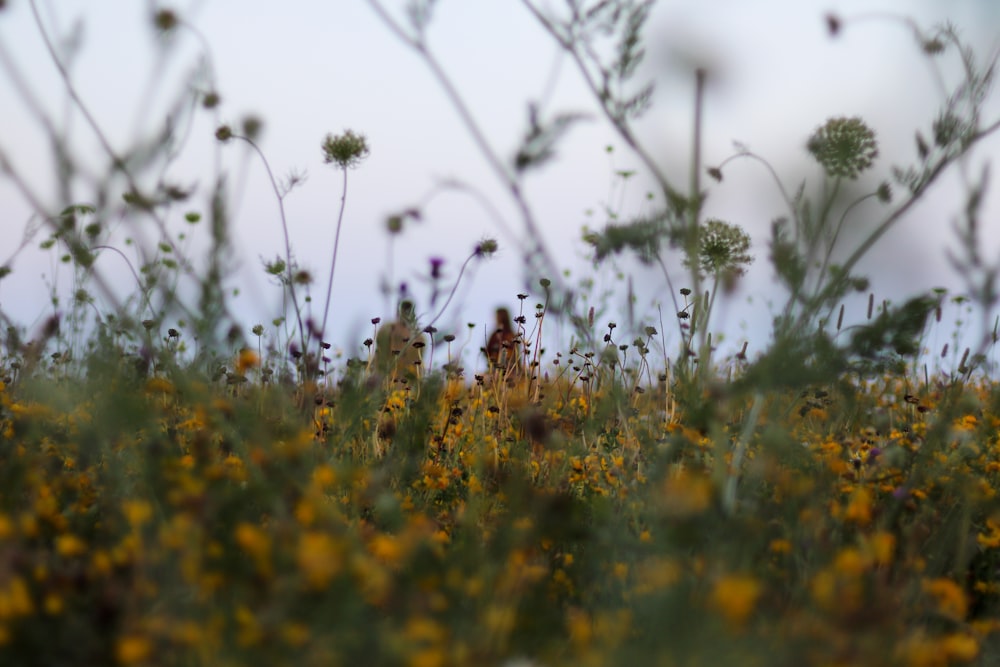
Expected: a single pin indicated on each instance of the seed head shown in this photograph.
(832, 24)
(210, 100)
(487, 247)
(884, 193)
(165, 20)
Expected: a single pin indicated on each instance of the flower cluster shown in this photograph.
(844, 147)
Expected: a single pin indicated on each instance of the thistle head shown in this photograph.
(486, 248)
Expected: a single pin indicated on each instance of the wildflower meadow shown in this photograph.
(180, 487)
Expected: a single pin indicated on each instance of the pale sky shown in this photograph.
(310, 68)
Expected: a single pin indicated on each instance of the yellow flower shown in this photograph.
(137, 512)
(133, 649)
(387, 549)
(250, 632)
(427, 657)
(948, 596)
(319, 557)
(69, 546)
(850, 562)
(686, 495)
(294, 633)
(581, 628)
(246, 360)
(53, 604)
(735, 596)
(158, 385)
(324, 476)
(859, 508)
(257, 543)
(990, 539)
(780, 546)
(656, 574)
(960, 647)
(882, 545)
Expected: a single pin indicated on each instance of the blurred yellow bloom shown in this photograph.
(780, 546)
(859, 507)
(990, 538)
(69, 546)
(686, 495)
(137, 512)
(386, 548)
(246, 360)
(427, 657)
(295, 633)
(250, 632)
(850, 562)
(882, 545)
(15, 600)
(257, 544)
(948, 596)
(319, 557)
(158, 385)
(133, 649)
(581, 629)
(53, 604)
(919, 650)
(6, 527)
(324, 476)
(961, 647)
(735, 597)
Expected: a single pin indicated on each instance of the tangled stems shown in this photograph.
(539, 253)
(225, 133)
(484, 249)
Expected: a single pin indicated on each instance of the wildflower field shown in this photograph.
(172, 518)
(179, 487)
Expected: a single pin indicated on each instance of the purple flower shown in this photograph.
(436, 263)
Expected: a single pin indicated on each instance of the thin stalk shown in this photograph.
(284, 228)
(729, 494)
(333, 261)
(694, 207)
(478, 136)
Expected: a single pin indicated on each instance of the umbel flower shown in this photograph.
(723, 248)
(844, 146)
(346, 150)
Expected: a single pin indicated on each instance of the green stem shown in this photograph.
(333, 260)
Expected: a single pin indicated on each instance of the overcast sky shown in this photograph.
(310, 68)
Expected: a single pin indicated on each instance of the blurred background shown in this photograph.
(306, 69)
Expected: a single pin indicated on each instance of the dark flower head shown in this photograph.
(164, 19)
(832, 24)
(436, 264)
